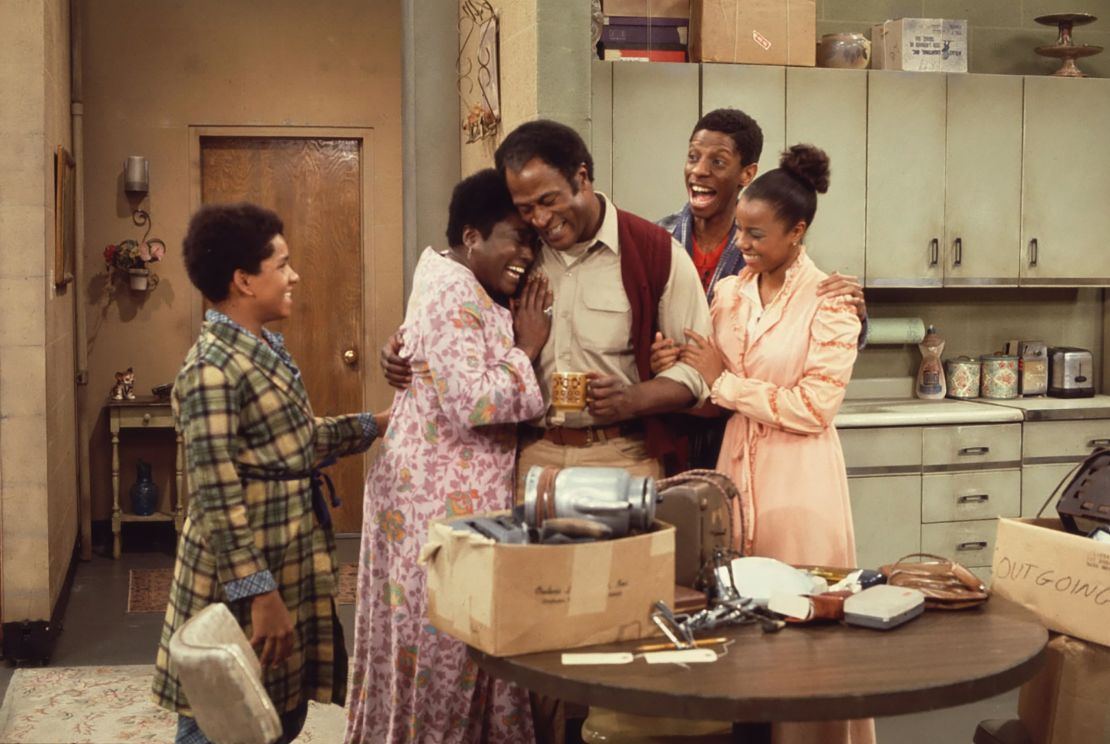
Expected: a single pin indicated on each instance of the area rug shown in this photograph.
(149, 588)
(110, 705)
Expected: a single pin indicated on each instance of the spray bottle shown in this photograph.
(930, 384)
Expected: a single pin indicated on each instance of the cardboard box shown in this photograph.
(920, 44)
(647, 8)
(515, 599)
(1063, 578)
(1069, 699)
(761, 32)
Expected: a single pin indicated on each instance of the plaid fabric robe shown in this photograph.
(241, 406)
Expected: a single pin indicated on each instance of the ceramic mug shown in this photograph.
(999, 377)
(568, 391)
(962, 376)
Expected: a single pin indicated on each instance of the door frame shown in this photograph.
(370, 343)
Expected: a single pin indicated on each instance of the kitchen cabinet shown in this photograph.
(653, 108)
(937, 180)
(905, 179)
(757, 90)
(829, 109)
(944, 179)
(1066, 176)
(886, 516)
(935, 489)
(884, 485)
(1050, 451)
(982, 192)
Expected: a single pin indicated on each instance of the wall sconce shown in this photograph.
(136, 175)
(133, 257)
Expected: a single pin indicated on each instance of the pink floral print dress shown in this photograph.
(449, 450)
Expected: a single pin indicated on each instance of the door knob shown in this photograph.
(350, 357)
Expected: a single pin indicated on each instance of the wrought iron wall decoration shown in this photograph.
(477, 66)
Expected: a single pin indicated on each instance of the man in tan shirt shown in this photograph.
(549, 172)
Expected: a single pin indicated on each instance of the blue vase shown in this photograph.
(144, 494)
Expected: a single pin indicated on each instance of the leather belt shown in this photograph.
(587, 435)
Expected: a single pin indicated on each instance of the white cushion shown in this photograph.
(221, 676)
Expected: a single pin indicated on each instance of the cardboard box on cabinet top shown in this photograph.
(761, 32)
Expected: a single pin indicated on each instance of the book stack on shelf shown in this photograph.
(651, 31)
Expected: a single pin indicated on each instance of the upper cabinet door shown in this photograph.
(1065, 218)
(905, 179)
(828, 108)
(758, 91)
(655, 106)
(982, 210)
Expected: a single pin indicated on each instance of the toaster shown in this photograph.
(1070, 373)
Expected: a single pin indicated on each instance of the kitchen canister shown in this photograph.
(962, 376)
(999, 376)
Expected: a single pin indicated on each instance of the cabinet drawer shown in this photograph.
(1047, 442)
(139, 418)
(970, 543)
(991, 446)
(882, 451)
(953, 497)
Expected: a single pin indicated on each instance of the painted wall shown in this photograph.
(38, 501)
(152, 70)
(1001, 33)
(979, 321)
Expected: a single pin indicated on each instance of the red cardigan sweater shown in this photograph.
(645, 255)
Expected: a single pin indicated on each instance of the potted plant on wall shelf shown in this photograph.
(131, 257)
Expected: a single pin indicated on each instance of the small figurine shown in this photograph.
(124, 389)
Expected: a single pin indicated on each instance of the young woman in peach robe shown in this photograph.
(780, 359)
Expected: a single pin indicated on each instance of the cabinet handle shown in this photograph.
(1098, 443)
(1033, 252)
(146, 419)
(974, 498)
(974, 545)
(934, 252)
(975, 450)
(958, 247)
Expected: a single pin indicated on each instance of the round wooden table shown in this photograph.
(807, 673)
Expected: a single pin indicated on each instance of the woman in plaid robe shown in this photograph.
(257, 535)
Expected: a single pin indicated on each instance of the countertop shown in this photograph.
(861, 412)
(873, 412)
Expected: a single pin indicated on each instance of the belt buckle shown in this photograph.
(589, 435)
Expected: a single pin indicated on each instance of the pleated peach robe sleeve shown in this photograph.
(786, 378)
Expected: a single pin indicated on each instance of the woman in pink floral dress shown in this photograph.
(449, 450)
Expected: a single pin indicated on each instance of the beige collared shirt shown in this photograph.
(592, 320)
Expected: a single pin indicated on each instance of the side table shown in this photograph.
(145, 412)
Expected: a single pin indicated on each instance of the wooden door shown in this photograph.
(1066, 177)
(315, 186)
(828, 108)
(982, 211)
(905, 179)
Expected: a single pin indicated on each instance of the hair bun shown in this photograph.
(808, 164)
